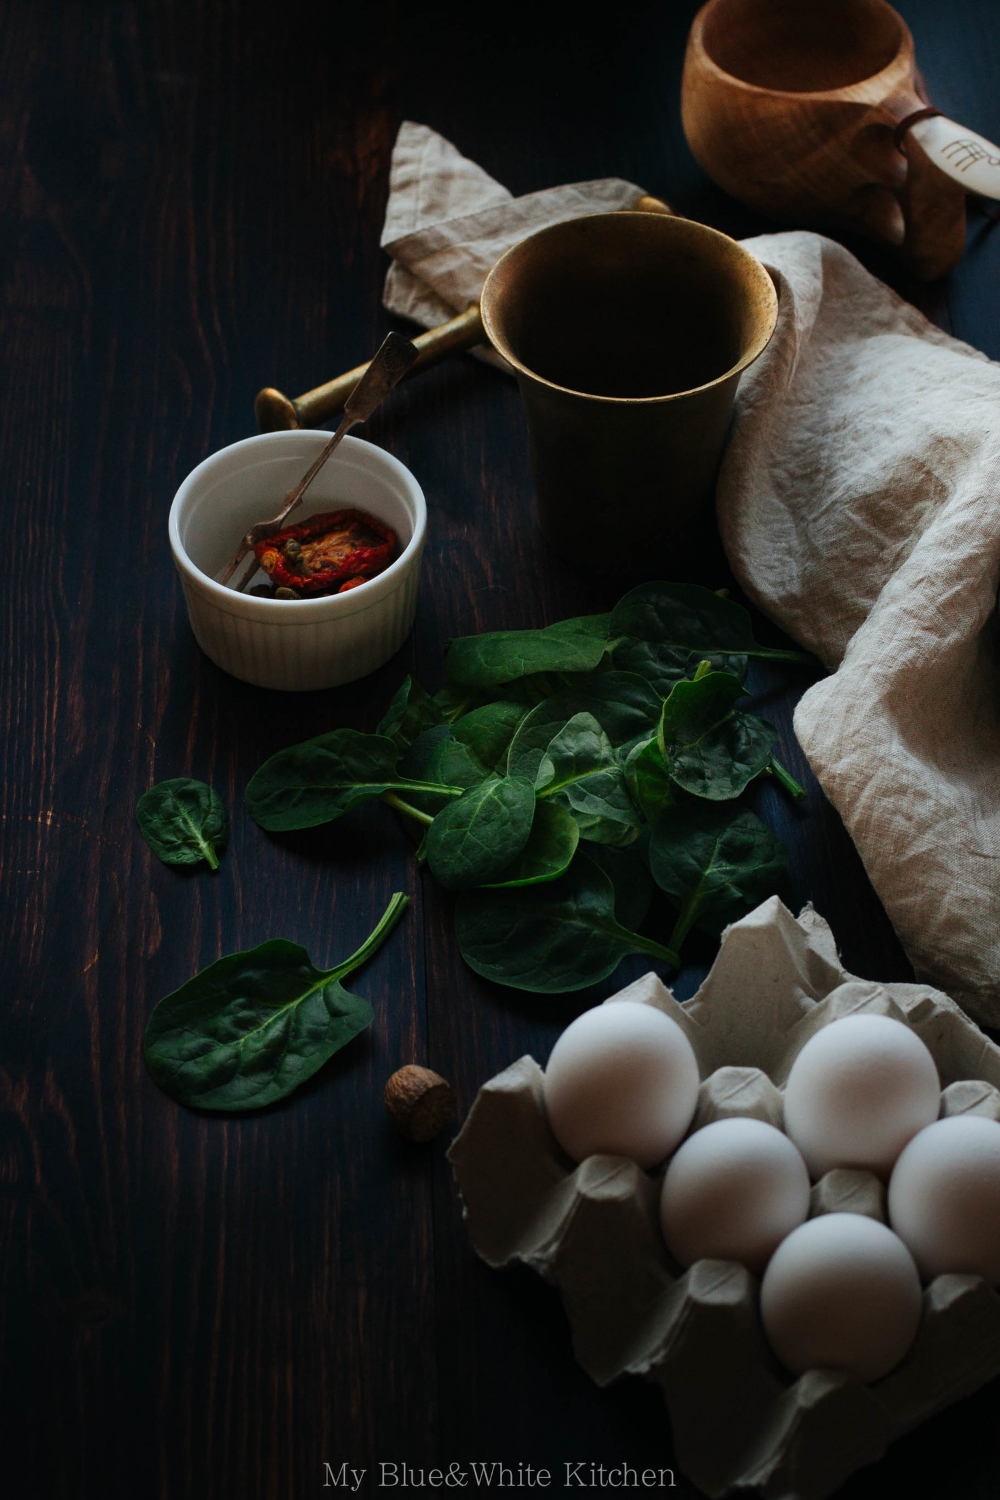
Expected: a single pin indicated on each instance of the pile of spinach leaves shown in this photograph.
(559, 774)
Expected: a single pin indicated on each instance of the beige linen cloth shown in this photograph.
(858, 504)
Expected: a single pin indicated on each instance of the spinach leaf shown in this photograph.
(323, 778)
(488, 730)
(709, 748)
(411, 711)
(663, 665)
(454, 700)
(454, 764)
(672, 626)
(559, 937)
(624, 704)
(474, 839)
(714, 863)
(630, 877)
(549, 851)
(599, 625)
(183, 822)
(648, 780)
(580, 767)
(684, 614)
(253, 1026)
(488, 661)
(533, 736)
(416, 757)
(437, 758)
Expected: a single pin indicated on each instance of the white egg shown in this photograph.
(733, 1191)
(944, 1197)
(622, 1080)
(857, 1092)
(842, 1293)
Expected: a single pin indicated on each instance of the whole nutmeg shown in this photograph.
(419, 1102)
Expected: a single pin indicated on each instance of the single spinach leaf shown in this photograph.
(715, 863)
(489, 661)
(648, 780)
(549, 851)
(474, 839)
(697, 705)
(183, 822)
(581, 768)
(489, 730)
(323, 778)
(411, 711)
(710, 749)
(561, 936)
(578, 749)
(253, 1026)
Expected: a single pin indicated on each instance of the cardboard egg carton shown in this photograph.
(739, 1420)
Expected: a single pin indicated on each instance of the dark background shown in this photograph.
(191, 196)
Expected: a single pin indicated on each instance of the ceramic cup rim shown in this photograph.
(754, 350)
(843, 94)
(368, 456)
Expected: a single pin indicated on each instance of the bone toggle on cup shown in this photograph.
(628, 334)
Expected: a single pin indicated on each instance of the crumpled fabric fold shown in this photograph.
(859, 505)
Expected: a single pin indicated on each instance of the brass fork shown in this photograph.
(390, 364)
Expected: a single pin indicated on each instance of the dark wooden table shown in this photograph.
(191, 196)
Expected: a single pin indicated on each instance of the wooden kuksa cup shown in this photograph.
(794, 107)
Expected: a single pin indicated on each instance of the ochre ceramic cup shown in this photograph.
(628, 333)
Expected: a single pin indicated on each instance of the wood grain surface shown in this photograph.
(191, 195)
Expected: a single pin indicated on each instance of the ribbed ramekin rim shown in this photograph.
(301, 611)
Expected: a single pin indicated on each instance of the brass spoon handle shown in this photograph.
(276, 412)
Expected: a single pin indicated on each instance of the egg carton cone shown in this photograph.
(739, 1420)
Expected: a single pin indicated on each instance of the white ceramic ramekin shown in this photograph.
(295, 643)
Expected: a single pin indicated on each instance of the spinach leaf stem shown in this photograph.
(686, 919)
(786, 779)
(374, 940)
(391, 800)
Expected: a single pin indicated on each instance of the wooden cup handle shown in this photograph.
(276, 412)
(932, 204)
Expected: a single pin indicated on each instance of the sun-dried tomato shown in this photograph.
(327, 554)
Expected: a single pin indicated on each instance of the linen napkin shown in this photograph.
(858, 506)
